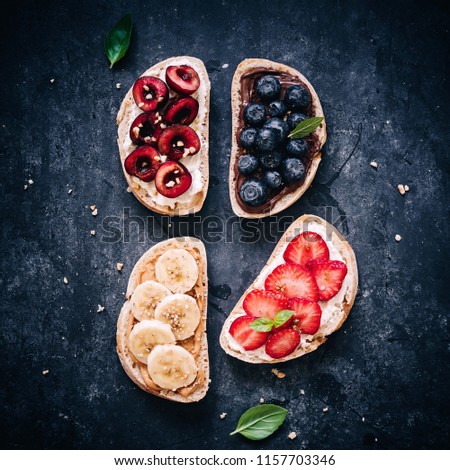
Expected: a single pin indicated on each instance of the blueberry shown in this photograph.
(268, 87)
(297, 97)
(255, 114)
(277, 108)
(271, 160)
(253, 192)
(247, 137)
(292, 170)
(297, 148)
(247, 164)
(280, 126)
(295, 119)
(267, 139)
(273, 179)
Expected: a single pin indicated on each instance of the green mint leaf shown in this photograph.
(262, 324)
(306, 127)
(118, 40)
(260, 421)
(282, 317)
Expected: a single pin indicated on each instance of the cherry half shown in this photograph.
(178, 141)
(182, 78)
(143, 163)
(146, 129)
(182, 111)
(150, 93)
(172, 179)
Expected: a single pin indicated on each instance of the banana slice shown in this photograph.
(146, 297)
(171, 367)
(177, 270)
(181, 312)
(146, 335)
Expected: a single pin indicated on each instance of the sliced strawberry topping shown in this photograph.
(264, 303)
(283, 342)
(329, 276)
(293, 281)
(305, 247)
(307, 314)
(247, 337)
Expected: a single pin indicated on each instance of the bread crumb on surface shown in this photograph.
(93, 207)
(302, 392)
(374, 165)
(70, 191)
(52, 80)
(325, 410)
(93, 233)
(401, 189)
(119, 266)
(94, 212)
(65, 280)
(100, 308)
(25, 186)
(45, 372)
(406, 188)
(280, 375)
(30, 181)
(225, 66)
(261, 400)
(398, 237)
(223, 415)
(292, 435)
(118, 85)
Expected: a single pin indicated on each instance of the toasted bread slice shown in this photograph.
(191, 201)
(143, 271)
(288, 199)
(340, 305)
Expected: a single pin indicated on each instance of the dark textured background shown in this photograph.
(381, 72)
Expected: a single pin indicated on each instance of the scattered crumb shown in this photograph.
(374, 165)
(118, 85)
(302, 392)
(209, 380)
(401, 189)
(93, 233)
(65, 280)
(119, 266)
(93, 207)
(280, 375)
(325, 410)
(45, 372)
(70, 191)
(363, 419)
(398, 237)
(170, 225)
(52, 80)
(30, 182)
(94, 212)
(261, 400)
(292, 435)
(25, 186)
(225, 66)
(222, 415)
(128, 190)
(406, 188)
(100, 308)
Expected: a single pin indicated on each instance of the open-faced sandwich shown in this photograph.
(161, 331)
(302, 295)
(278, 130)
(163, 136)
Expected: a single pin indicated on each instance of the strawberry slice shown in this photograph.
(247, 337)
(282, 343)
(293, 280)
(264, 303)
(329, 276)
(308, 315)
(306, 247)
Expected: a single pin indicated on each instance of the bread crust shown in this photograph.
(244, 67)
(124, 120)
(126, 359)
(346, 251)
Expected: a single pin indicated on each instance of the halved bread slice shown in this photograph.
(338, 307)
(144, 270)
(246, 66)
(191, 201)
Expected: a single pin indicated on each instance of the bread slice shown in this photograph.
(236, 101)
(344, 299)
(146, 193)
(142, 271)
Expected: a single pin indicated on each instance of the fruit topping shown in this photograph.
(146, 129)
(247, 137)
(305, 247)
(271, 160)
(292, 170)
(297, 148)
(253, 192)
(329, 276)
(254, 114)
(280, 126)
(150, 93)
(267, 139)
(293, 280)
(182, 78)
(307, 315)
(268, 87)
(178, 141)
(273, 179)
(247, 337)
(277, 109)
(247, 164)
(295, 119)
(172, 179)
(143, 163)
(297, 98)
(282, 343)
(182, 111)
(264, 303)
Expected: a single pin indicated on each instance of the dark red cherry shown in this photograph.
(182, 111)
(178, 141)
(150, 93)
(143, 163)
(172, 179)
(146, 129)
(182, 78)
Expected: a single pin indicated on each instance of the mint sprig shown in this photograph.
(264, 324)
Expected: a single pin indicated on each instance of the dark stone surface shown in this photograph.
(381, 71)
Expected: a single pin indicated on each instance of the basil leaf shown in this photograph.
(282, 317)
(305, 127)
(260, 421)
(118, 40)
(262, 324)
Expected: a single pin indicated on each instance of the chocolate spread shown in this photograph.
(248, 94)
